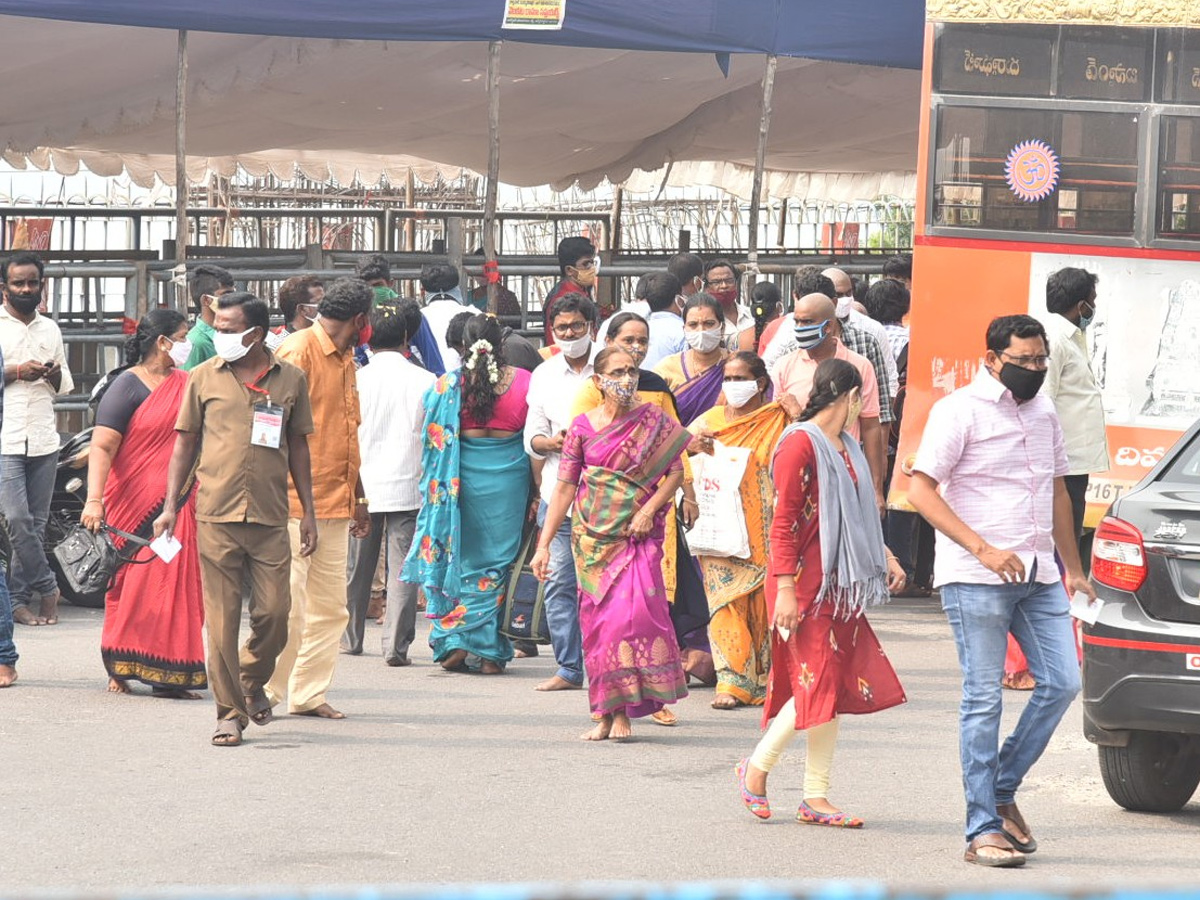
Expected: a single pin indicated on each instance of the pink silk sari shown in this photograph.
(630, 651)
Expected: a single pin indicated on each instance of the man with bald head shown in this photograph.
(849, 316)
(816, 332)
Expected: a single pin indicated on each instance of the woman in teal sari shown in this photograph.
(475, 489)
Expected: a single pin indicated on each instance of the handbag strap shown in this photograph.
(125, 534)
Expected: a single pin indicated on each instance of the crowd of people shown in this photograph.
(376, 456)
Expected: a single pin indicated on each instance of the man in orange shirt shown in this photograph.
(817, 329)
(318, 619)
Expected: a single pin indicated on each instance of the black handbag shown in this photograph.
(524, 615)
(89, 561)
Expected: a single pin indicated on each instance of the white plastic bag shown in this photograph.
(721, 528)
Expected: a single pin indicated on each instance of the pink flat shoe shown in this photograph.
(759, 806)
(806, 815)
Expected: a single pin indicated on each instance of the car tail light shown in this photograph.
(1118, 557)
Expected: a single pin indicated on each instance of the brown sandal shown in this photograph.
(1010, 859)
(1014, 824)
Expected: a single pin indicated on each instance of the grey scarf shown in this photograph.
(852, 550)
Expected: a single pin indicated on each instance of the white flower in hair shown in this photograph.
(481, 352)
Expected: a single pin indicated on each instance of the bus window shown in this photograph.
(1094, 194)
(1179, 178)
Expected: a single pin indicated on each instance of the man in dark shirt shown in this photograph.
(578, 266)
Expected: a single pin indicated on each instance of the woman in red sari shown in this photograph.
(153, 613)
(827, 564)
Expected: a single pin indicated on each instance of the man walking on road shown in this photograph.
(389, 392)
(995, 448)
(206, 286)
(35, 372)
(246, 413)
(325, 353)
(8, 649)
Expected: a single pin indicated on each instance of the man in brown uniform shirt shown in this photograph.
(325, 353)
(247, 414)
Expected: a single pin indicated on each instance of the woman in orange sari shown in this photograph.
(739, 630)
(154, 612)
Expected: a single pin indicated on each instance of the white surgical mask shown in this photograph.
(703, 341)
(739, 393)
(180, 351)
(574, 348)
(844, 305)
(229, 346)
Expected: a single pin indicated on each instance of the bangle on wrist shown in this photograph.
(93, 500)
(362, 501)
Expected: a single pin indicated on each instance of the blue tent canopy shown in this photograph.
(868, 32)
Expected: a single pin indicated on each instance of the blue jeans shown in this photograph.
(981, 616)
(8, 650)
(562, 603)
(26, 487)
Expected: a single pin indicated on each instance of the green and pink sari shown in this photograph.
(630, 651)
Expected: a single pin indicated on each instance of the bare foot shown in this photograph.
(23, 616)
(621, 729)
(456, 661)
(175, 694)
(601, 731)
(557, 683)
(324, 711)
(49, 609)
(487, 667)
(726, 701)
(8, 674)
(118, 686)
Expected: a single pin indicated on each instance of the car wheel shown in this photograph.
(1156, 772)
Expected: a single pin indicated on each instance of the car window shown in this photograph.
(1185, 467)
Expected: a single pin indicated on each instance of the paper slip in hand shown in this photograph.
(1085, 610)
(785, 633)
(166, 547)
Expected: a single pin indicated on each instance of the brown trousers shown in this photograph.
(228, 550)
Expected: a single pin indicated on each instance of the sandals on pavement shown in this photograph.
(757, 804)
(1014, 824)
(258, 707)
(228, 733)
(806, 815)
(1010, 858)
(665, 717)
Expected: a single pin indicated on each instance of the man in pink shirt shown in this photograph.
(995, 448)
(817, 332)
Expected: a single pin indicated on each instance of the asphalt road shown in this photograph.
(440, 778)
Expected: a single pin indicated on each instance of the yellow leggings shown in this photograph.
(822, 739)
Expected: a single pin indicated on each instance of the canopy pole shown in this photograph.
(181, 182)
(760, 161)
(490, 267)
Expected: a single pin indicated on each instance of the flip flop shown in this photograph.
(665, 717)
(258, 707)
(228, 733)
(1011, 858)
(1013, 822)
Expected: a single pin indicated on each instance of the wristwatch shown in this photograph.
(362, 501)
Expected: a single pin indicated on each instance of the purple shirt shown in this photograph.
(996, 461)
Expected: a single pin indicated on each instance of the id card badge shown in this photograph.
(267, 429)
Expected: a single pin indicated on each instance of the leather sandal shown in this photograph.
(1011, 858)
(228, 733)
(1014, 823)
(259, 708)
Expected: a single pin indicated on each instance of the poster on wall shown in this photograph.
(544, 15)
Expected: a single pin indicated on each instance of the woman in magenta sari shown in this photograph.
(153, 613)
(697, 375)
(621, 466)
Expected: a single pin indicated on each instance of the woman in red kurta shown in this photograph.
(827, 564)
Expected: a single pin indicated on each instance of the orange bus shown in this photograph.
(1065, 138)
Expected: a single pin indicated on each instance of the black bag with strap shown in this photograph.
(524, 615)
(90, 561)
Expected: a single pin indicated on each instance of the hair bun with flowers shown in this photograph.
(480, 353)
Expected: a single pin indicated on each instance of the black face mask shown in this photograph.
(23, 304)
(1024, 383)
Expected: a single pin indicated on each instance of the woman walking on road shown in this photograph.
(475, 488)
(153, 613)
(621, 466)
(828, 563)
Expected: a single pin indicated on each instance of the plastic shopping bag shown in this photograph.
(721, 528)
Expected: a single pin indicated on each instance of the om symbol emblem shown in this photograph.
(1031, 170)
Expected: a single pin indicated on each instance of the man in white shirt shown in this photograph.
(665, 296)
(389, 395)
(443, 300)
(1071, 303)
(552, 390)
(35, 372)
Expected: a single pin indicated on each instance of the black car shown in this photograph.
(1141, 659)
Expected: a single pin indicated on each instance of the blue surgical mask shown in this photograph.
(1085, 321)
(810, 336)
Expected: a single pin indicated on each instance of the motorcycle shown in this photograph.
(66, 505)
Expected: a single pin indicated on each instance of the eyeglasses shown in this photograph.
(1028, 362)
(720, 283)
(570, 328)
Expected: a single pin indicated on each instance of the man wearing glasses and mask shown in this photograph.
(579, 267)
